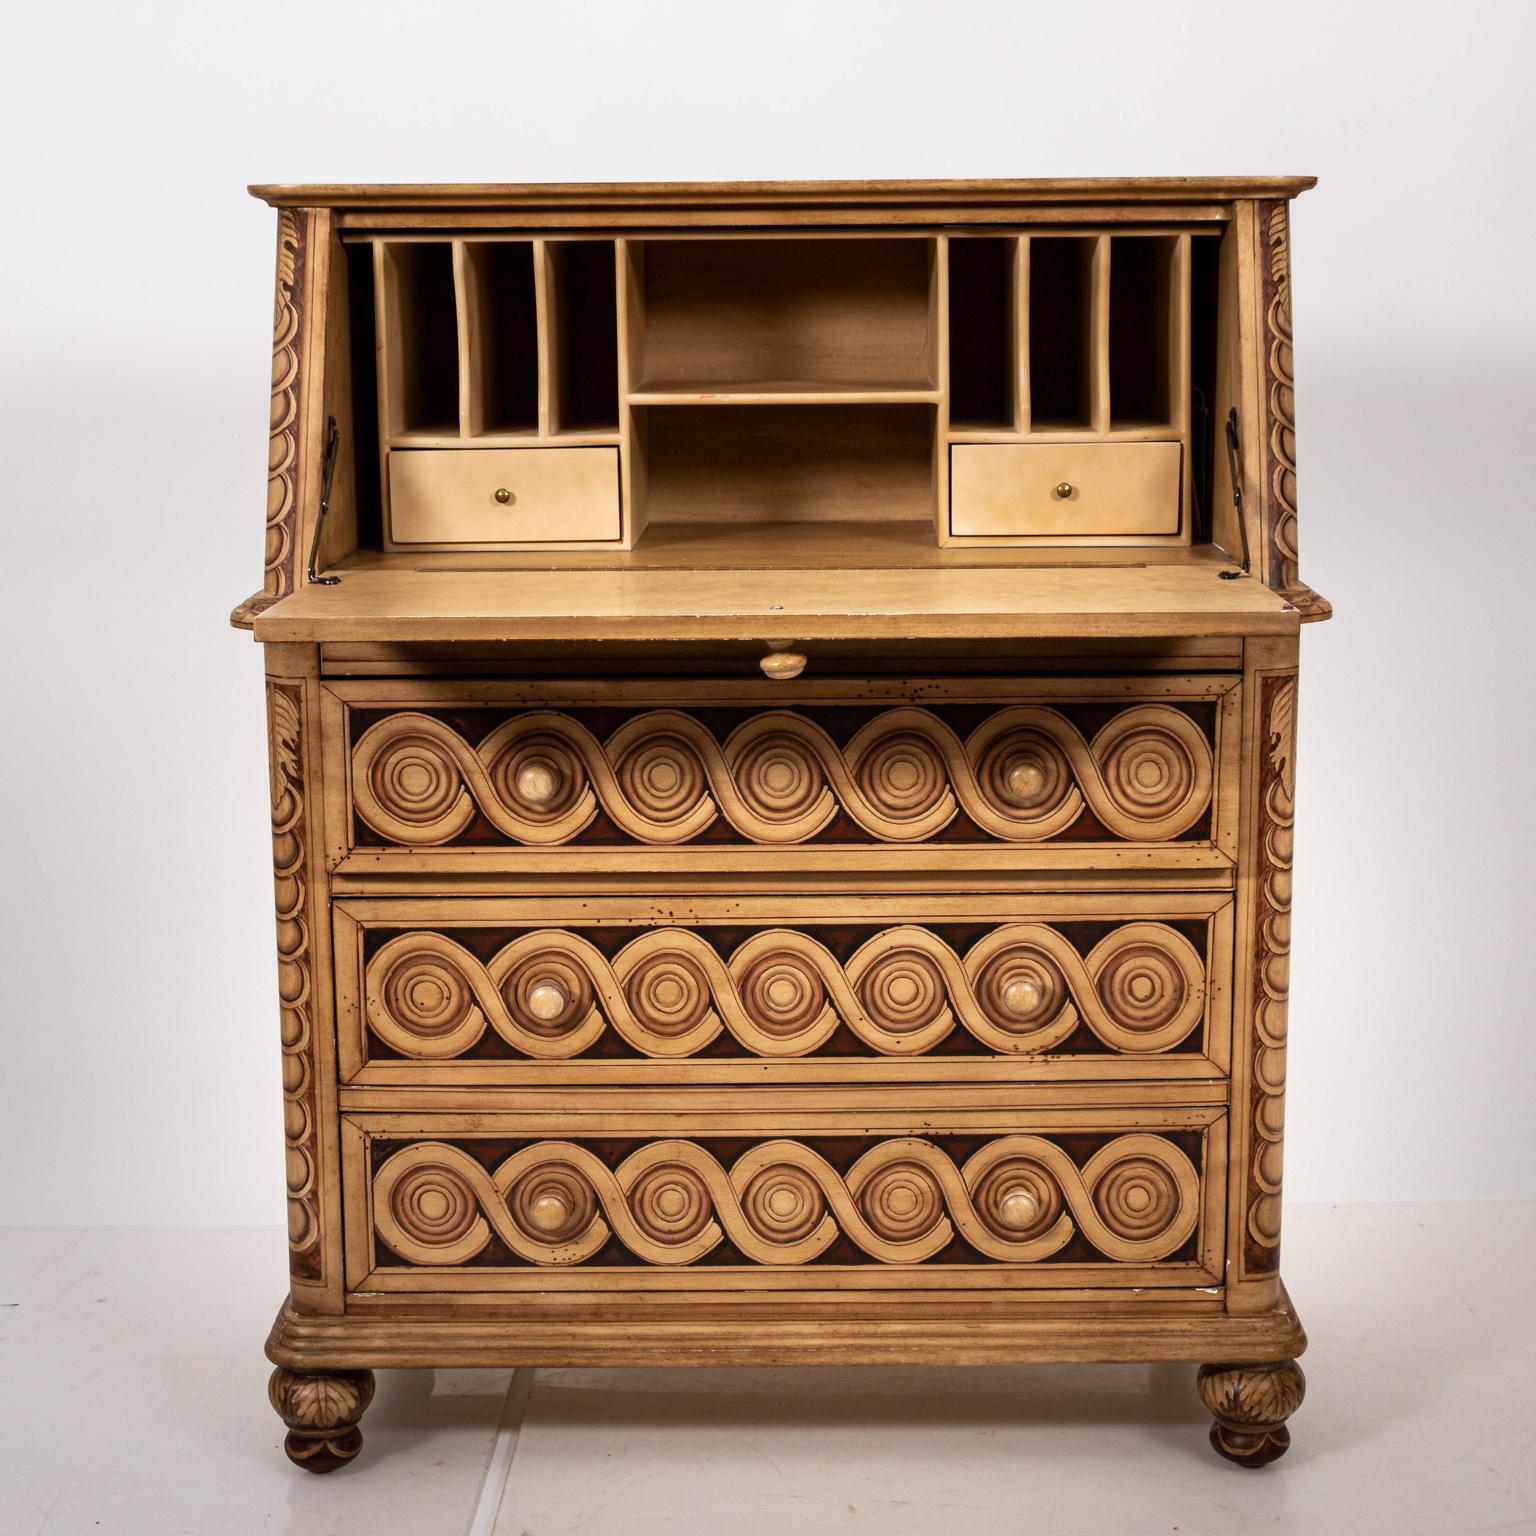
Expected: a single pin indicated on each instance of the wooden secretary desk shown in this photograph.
(782, 710)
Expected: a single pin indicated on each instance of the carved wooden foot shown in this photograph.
(1251, 1404)
(321, 1412)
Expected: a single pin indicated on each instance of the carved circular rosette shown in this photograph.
(668, 993)
(422, 1001)
(901, 1200)
(1143, 983)
(901, 775)
(903, 992)
(783, 1204)
(1250, 1404)
(410, 787)
(1154, 771)
(430, 1203)
(662, 779)
(321, 1411)
(1136, 1197)
(671, 1204)
(782, 993)
(778, 778)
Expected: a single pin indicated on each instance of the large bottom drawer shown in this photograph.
(704, 1190)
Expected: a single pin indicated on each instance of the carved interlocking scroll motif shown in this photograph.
(551, 994)
(282, 528)
(1016, 1199)
(1272, 966)
(295, 973)
(1024, 774)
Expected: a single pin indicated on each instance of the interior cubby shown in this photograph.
(983, 340)
(798, 376)
(1062, 331)
(1142, 299)
(584, 336)
(420, 327)
(502, 332)
(823, 314)
(788, 463)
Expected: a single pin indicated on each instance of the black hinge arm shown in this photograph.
(332, 443)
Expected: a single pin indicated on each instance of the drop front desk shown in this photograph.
(781, 707)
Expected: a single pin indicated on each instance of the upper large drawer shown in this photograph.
(724, 776)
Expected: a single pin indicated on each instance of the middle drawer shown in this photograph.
(470, 993)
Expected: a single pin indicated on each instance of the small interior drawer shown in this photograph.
(1059, 490)
(498, 498)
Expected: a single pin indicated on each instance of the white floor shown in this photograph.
(132, 1403)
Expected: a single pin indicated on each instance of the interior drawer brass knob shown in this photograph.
(503, 495)
(546, 1001)
(1062, 491)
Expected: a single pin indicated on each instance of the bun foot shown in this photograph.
(1250, 1404)
(321, 1412)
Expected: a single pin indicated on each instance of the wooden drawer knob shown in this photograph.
(549, 1211)
(1018, 1209)
(546, 1001)
(1021, 997)
(1024, 781)
(783, 665)
(537, 782)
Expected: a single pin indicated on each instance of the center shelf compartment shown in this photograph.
(787, 463)
(730, 320)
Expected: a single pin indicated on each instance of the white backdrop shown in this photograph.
(139, 1067)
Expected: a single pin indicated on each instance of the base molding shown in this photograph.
(964, 1331)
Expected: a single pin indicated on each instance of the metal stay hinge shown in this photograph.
(1235, 464)
(332, 443)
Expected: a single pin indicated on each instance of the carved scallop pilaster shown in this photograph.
(1025, 774)
(295, 973)
(285, 431)
(1280, 530)
(1021, 989)
(1272, 961)
(1016, 1199)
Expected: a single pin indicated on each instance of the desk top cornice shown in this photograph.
(723, 196)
